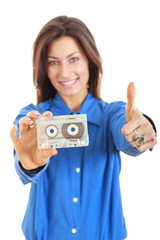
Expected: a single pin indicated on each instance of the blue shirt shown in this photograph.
(76, 196)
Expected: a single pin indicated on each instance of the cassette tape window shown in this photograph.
(75, 191)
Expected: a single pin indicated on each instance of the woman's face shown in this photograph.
(68, 67)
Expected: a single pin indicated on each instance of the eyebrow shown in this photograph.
(67, 56)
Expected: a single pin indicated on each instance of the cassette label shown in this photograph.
(62, 131)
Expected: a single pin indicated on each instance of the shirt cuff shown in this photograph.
(153, 125)
(24, 176)
(32, 171)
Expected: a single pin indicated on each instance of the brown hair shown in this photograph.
(59, 27)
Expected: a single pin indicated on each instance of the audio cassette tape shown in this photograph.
(62, 131)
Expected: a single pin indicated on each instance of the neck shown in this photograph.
(74, 102)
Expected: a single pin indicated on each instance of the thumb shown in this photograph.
(130, 107)
(47, 154)
(13, 134)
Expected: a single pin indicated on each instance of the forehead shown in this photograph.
(65, 45)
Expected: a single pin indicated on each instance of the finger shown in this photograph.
(147, 145)
(145, 131)
(13, 134)
(133, 124)
(24, 123)
(47, 114)
(148, 137)
(47, 153)
(131, 93)
(34, 115)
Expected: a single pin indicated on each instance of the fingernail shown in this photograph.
(131, 83)
(48, 113)
(28, 120)
(37, 115)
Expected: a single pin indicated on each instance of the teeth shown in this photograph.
(69, 82)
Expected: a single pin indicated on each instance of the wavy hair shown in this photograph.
(56, 28)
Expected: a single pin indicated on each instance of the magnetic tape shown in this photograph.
(62, 131)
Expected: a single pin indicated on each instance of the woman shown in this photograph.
(75, 192)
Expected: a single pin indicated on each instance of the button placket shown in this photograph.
(75, 199)
(78, 170)
(76, 189)
(74, 230)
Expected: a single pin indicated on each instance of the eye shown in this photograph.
(53, 63)
(74, 59)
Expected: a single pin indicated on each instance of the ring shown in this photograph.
(32, 126)
(138, 138)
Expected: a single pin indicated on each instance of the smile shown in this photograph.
(68, 83)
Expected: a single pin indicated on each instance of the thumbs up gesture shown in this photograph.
(138, 130)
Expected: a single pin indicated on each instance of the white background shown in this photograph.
(128, 38)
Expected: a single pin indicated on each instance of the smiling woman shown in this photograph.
(75, 194)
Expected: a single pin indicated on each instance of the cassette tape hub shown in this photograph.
(62, 131)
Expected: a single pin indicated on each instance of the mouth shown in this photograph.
(69, 83)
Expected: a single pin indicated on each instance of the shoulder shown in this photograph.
(118, 106)
(41, 108)
(103, 112)
(112, 107)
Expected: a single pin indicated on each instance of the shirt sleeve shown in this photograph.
(27, 178)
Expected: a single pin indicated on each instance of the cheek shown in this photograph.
(84, 71)
(51, 75)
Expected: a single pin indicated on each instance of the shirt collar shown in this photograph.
(89, 107)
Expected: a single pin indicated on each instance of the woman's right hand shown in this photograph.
(26, 146)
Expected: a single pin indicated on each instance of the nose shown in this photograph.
(65, 71)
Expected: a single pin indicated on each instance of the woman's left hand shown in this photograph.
(138, 130)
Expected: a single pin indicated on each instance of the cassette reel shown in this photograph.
(62, 131)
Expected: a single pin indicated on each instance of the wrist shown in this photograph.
(31, 171)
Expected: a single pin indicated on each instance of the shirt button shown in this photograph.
(78, 170)
(75, 200)
(74, 230)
